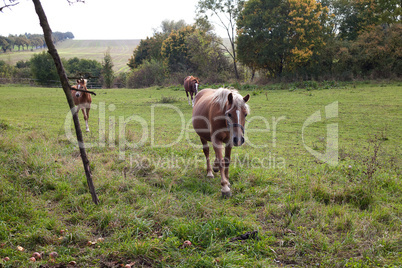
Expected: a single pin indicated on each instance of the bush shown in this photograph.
(149, 73)
(43, 68)
(121, 79)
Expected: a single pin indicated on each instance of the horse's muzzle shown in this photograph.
(238, 141)
(77, 94)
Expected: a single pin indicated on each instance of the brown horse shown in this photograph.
(82, 99)
(191, 86)
(219, 117)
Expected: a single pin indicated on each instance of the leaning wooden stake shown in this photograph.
(47, 32)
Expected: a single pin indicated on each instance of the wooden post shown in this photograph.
(47, 32)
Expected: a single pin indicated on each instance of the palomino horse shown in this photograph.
(219, 117)
(82, 99)
(191, 86)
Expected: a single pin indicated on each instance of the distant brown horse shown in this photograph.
(191, 86)
(82, 99)
(219, 117)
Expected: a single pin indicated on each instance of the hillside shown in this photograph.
(120, 50)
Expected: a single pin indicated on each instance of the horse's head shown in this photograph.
(82, 85)
(236, 117)
(195, 82)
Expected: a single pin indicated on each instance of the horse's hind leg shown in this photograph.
(192, 100)
(205, 149)
(188, 99)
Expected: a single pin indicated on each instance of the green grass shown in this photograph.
(120, 51)
(150, 177)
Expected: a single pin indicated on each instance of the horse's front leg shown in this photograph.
(84, 112)
(205, 149)
(228, 150)
(222, 164)
(87, 119)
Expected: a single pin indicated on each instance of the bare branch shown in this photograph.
(70, 2)
(16, 2)
(10, 5)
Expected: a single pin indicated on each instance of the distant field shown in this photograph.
(120, 50)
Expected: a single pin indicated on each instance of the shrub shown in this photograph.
(43, 68)
(148, 74)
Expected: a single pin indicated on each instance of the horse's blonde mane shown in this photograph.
(220, 97)
(85, 81)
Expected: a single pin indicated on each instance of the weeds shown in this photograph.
(371, 162)
(168, 99)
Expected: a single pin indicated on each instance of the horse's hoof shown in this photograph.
(215, 169)
(210, 175)
(226, 194)
(87, 130)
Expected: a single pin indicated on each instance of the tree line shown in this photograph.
(267, 40)
(35, 41)
(309, 39)
(275, 40)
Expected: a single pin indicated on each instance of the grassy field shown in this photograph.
(150, 176)
(120, 50)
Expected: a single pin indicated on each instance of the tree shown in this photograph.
(43, 69)
(390, 11)
(5, 44)
(148, 49)
(278, 36)
(375, 53)
(227, 12)
(107, 70)
(175, 50)
(354, 17)
(75, 66)
(169, 26)
(205, 55)
(21, 41)
(306, 31)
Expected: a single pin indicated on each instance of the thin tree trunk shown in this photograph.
(47, 32)
(234, 58)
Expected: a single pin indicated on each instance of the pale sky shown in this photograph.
(97, 19)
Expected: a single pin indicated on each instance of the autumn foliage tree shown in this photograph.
(174, 50)
(278, 36)
(148, 49)
(306, 31)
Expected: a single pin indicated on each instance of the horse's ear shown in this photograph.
(246, 98)
(230, 98)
